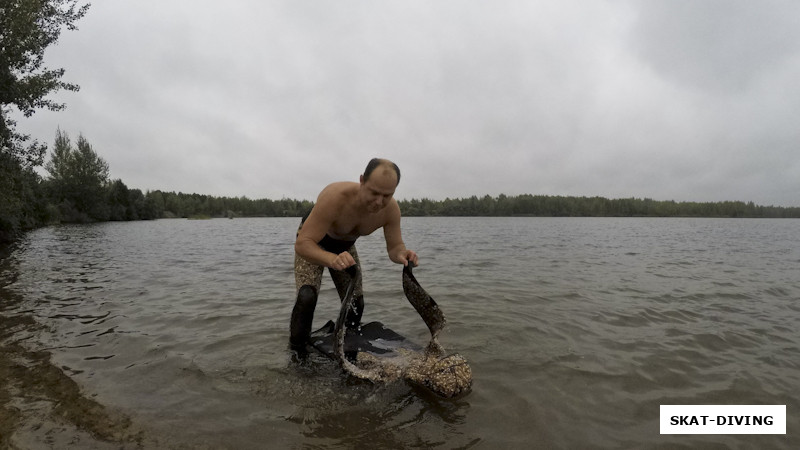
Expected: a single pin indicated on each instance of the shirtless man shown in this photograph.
(344, 211)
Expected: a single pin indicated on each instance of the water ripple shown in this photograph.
(576, 329)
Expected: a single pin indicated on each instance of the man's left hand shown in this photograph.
(408, 256)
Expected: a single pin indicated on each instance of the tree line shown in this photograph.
(77, 189)
(561, 206)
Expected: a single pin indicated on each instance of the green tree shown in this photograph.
(27, 29)
(155, 203)
(77, 182)
(22, 204)
(119, 202)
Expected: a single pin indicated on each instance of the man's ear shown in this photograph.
(361, 179)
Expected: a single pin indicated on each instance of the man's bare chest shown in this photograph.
(350, 229)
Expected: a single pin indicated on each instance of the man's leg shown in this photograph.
(342, 280)
(302, 317)
(308, 278)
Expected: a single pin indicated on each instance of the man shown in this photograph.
(344, 211)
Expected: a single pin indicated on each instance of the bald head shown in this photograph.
(383, 167)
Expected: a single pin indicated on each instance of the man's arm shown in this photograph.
(314, 229)
(397, 250)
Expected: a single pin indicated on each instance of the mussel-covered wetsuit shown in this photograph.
(308, 278)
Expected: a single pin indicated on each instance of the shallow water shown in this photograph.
(576, 331)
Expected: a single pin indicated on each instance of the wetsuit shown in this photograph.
(308, 279)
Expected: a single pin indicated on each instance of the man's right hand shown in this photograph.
(342, 261)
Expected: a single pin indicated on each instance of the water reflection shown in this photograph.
(386, 416)
(331, 409)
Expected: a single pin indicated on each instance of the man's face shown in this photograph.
(377, 192)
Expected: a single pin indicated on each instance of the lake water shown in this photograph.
(175, 334)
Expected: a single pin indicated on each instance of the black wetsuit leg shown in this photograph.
(308, 279)
(302, 317)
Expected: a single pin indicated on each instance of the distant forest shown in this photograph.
(78, 190)
(170, 204)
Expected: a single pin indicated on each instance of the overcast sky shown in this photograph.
(673, 100)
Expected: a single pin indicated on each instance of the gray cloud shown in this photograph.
(668, 100)
(717, 44)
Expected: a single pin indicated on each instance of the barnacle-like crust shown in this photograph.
(448, 376)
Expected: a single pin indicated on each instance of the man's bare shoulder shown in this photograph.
(339, 187)
(392, 212)
(336, 194)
